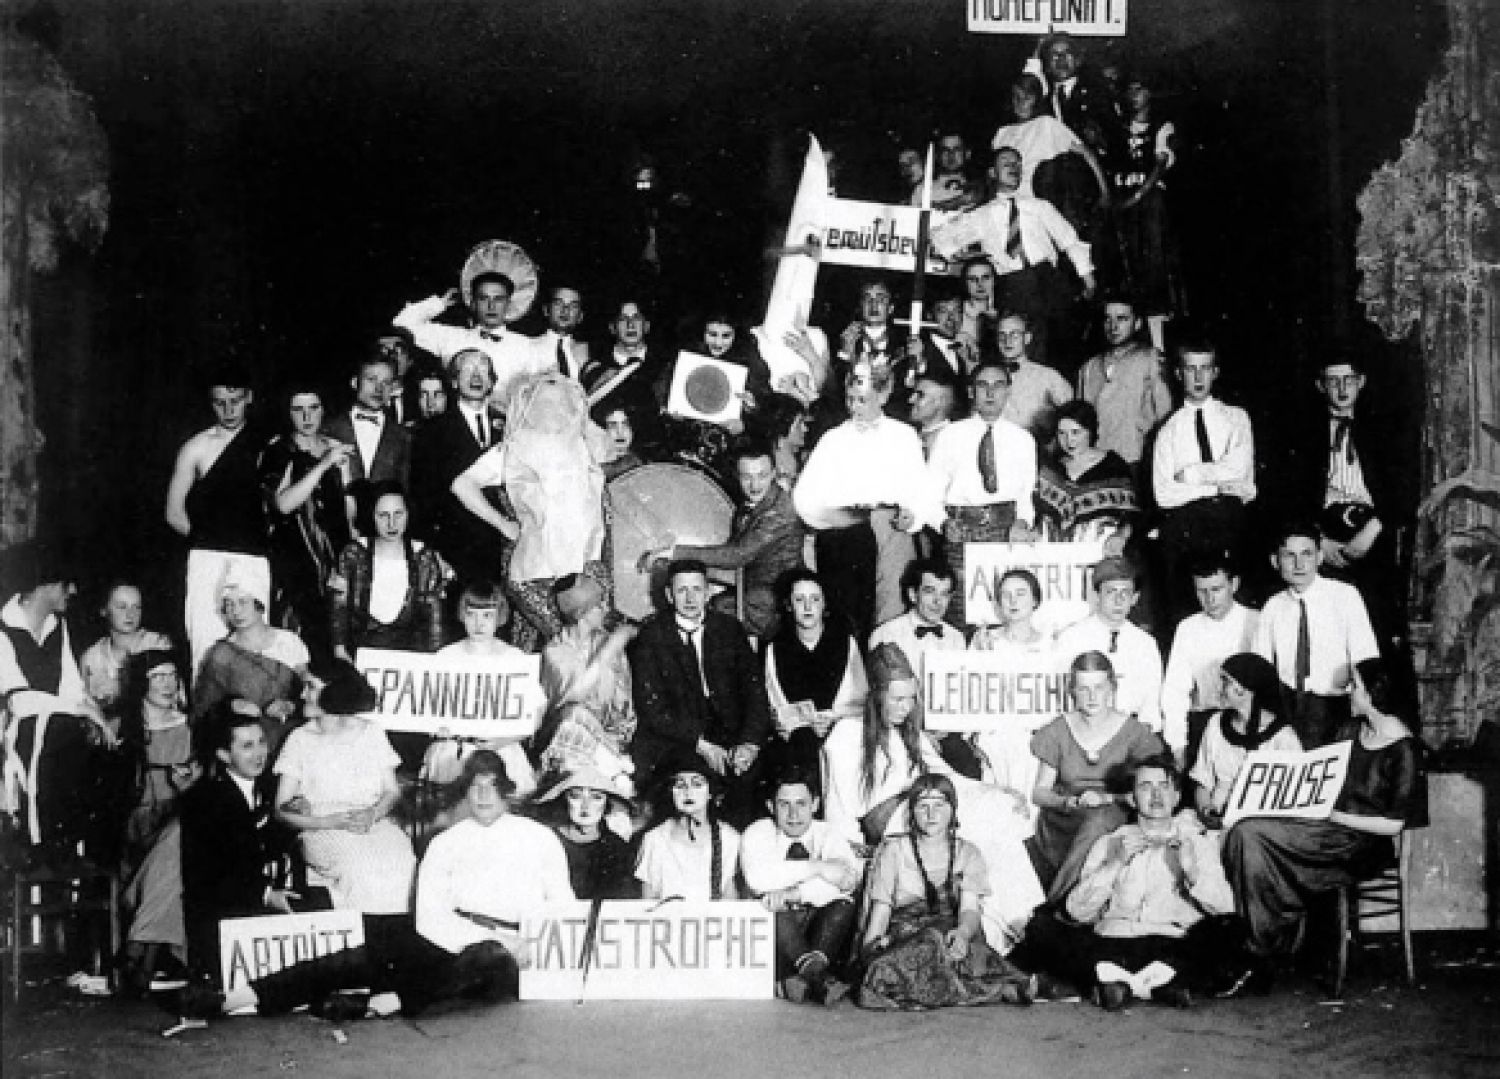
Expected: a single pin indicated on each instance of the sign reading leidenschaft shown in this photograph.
(487, 697)
(1087, 18)
(982, 691)
(1064, 570)
(251, 949)
(874, 235)
(677, 950)
(1301, 785)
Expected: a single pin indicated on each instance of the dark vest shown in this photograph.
(42, 664)
(225, 506)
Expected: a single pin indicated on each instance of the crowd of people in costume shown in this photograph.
(760, 735)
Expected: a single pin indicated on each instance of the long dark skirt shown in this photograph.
(914, 973)
(1275, 866)
(1062, 843)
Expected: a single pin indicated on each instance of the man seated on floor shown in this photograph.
(1145, 919)
(805, 873)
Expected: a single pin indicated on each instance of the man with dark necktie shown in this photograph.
(699, 686)
(805, 872)
(1203, 474)
(1316, 632)
(557, 345)
(984, 469)
(1024, 237)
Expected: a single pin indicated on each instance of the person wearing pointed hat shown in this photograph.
(586, 808)
(692, 854)
(869, 765)
(336, 784)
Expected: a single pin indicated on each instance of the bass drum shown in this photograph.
(655, 506)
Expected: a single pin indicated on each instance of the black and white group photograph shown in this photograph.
(689, 538)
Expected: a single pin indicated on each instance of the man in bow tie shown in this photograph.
(928, 585)
(515, 357)
(698, 686)
(1024, 238)
(384, 446)
(1036, 390)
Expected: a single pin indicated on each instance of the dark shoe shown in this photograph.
(1113, 996)
(1023, 991)
(1050, 988)
(1174, 995)
(341, 1007)
(1254, 980)
(835, 993)
(794, 989)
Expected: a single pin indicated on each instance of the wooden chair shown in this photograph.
(1378, 898)
(46, 901)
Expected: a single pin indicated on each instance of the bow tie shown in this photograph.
(368, 416)
(631, 356)
(929, 631)
(490, 335)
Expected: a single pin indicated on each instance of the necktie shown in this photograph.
(1205, 450)
(366, 415)
(1014, 248)
(692, 657)
(929, 631)
(1342, 443)
(1114, 640)
(1057, 101)
(1304, 647)
(797, 852)
(489, 335)
(987, 461)
(562, 356)
(481, 431)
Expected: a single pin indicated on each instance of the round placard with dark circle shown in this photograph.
(707, 390)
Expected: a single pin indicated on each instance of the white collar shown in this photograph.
(246, 786)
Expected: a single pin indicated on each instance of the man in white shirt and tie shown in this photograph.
(984, 469)
(1316, 632)
(556, 344)
(1131, 650)
(1024, 238)
(1192, 688)
(491, 306)
(805, 872)
(1203, 473)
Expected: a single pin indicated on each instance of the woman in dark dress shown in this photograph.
(815, 676)
(601, 865)
(1276, 865)
(302, 481)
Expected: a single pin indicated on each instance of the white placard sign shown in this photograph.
(873, 235)
(1064, 571)
(1087, 18)
(254, 948)
(485, 697)
(678, 950)
(980, 691)
(1301, 785)
(706, 389)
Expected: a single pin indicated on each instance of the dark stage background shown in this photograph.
(285, 175)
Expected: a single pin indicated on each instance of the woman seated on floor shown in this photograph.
(869, 766)
(691, 854)
(924, 946)
(591, 817)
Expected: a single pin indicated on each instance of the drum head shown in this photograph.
(654, 506)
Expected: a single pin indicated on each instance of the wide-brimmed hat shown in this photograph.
(591, 778)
